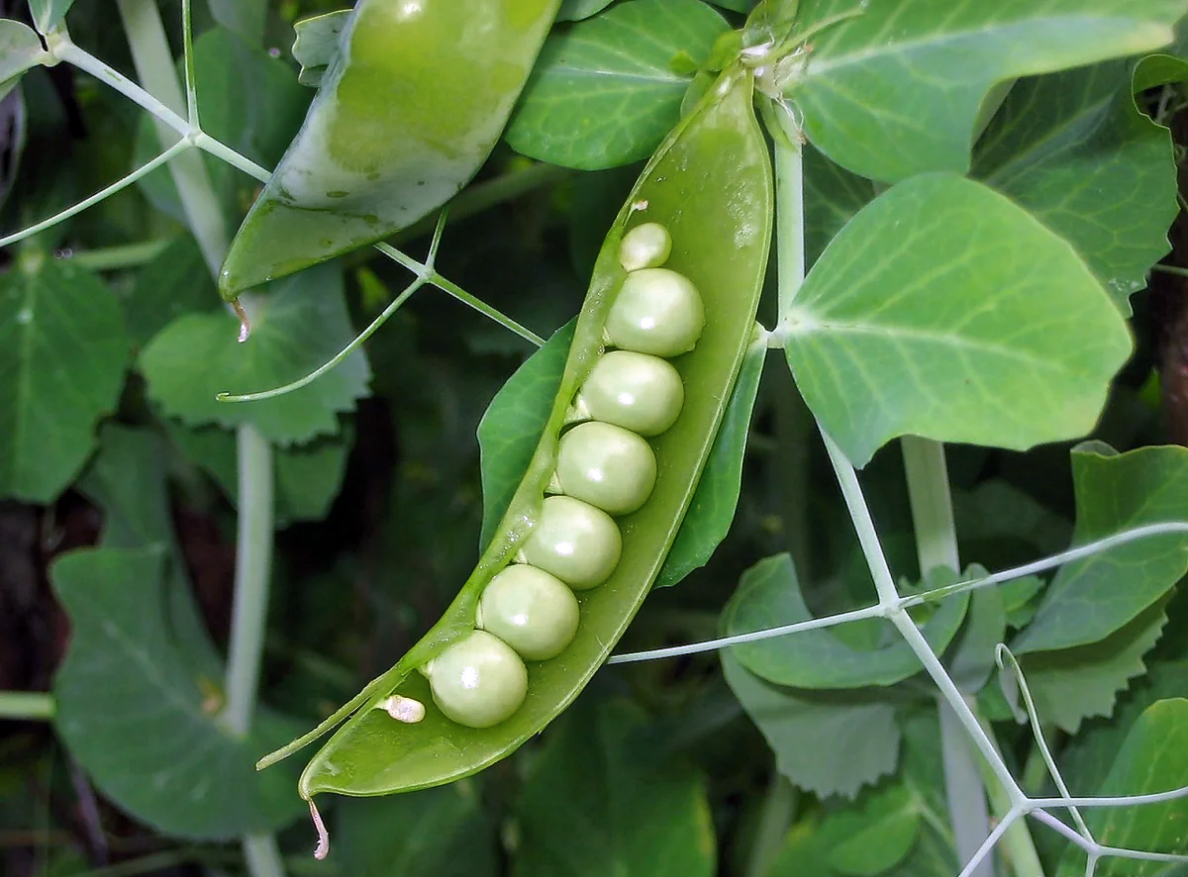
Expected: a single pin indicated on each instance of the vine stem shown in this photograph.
(26, 706)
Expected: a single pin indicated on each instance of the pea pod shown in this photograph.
(378, 150)
(709, 183)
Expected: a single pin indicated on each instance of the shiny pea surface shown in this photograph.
(532, 611)
(633, 390)
(607, 466)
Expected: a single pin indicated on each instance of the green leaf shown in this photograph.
(603, 92)
(511, 427)
(48, 14)
(1153, 758)
(433, 833)
(20, 50)
(177, 282)
(318, 44)
(1074, 150)
(1091, 598)
(769, 595)
(971, 659)
(576, 10)
(712, 508)
(832, 197)
(943, 310)
(63, 350)
(895, 90)
(298, 326)
(863, 738)
(874, 834)
(245, 18)
(598, 803)
(1073, 684)
(142, 722)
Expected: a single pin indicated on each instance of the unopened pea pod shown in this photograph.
(379, 149)
(709, 183)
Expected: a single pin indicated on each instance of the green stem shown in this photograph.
(779, 809)
(963, 790)
(262, 855)
(26, 706)
(789, 176)
(931, 503)
(118, 258)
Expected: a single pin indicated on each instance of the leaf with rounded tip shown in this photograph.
(895, 89)
(63, 351)
(1091, 598)
(47, 14)
(604, 92)
(1074, 150)
(298, 326)
(143, 722)
(576, 10)
(943, 310)
(317, 44)
(20, 50)
(769, 595)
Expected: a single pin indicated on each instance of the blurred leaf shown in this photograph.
(895, 89)
(63, 350)
(603, 92)
(1153, 758)
(511, 427)
(971, 323)
(297, 327)
(711, 511)
(440, 832)
(177, 282)
(870, 837)
(596, 804)
(1001, 525)
(576, 10)
(20, 49)
(1080, 682)
(1109, 188)
(832, 197)
(1017, 598)
(860, 727)
(49, 13)
(317, 44)
(142, 723)
(769, 595)
(245, 18)
(971, 659)
(1091, 598)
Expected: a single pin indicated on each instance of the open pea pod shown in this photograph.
(710, 185)
(406, 114)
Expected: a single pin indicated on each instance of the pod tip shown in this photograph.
(245, 325)
(323, 847)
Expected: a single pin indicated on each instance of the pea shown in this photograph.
(530, 610)
(606, 466)
(478, 681)
(645, 246)
(633, 390)
(574, 541)
(657, 311)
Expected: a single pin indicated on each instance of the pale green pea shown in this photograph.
(633, 390)
(607, 466)
(574, 541)
(530, 610)
(657, 311)
(478, 681)
(645, 246)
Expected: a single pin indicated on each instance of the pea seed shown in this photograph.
(606, 466)
(657, 311)
(633, 390)
(574, 541)
(645, 246)
(530, 610)
(478, 681)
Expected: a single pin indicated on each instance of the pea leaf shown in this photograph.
(176, 282)
(1091, 598)
(245, 18)
(712, 508)
(895, 90)
(433, 833)
(832, 196)
(47, 14)
(1153, 758)
(618, 808)
(971, 659)
(972, 323)
(318, 44)
(63, 350)
(20, 50)
(576, 10)
(299, 325)
(142, 722)
(603, 92)
(511, 427)
(1110, 190)
(864, 738)
(1073, 684)
(769, 595)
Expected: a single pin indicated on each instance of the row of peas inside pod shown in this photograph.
(605, 467)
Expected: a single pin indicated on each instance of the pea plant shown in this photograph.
(927, 620)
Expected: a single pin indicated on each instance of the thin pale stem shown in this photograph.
(121, 257)
(188, 54)
(147, 168)
(789, 177)
(26, 706)
(931, 503)
(263, 856)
